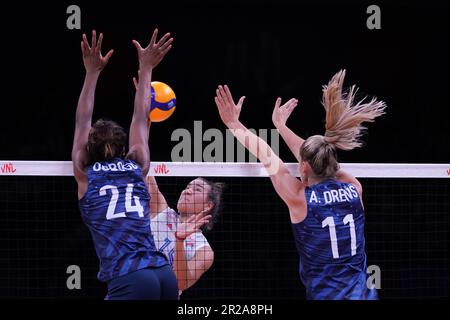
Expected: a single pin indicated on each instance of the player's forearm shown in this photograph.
(293, 141)
(152, 185)
(180, 266)
(142, 97)
(85, 105)
(257, 146)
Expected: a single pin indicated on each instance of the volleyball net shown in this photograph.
(407, 231)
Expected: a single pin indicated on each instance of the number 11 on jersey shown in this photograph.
(348, 219)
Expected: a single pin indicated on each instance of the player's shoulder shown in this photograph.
(167, 214)
(353, 184)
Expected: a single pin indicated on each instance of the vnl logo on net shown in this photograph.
(220, 146)
(7, 168)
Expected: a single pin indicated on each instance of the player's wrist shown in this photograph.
(92, 72)
(144, 70)
(178, 237)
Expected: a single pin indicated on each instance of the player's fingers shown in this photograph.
(165, 45)
(219, 99)
(163, 40)
(240, 102)
(228, 94)
(291, 107)
(94, 39)
(137, 45)
(108, 55)
(277, 103)
(166, 50)
(83, 50)
(86, 43)
(204, 220)
(191, 219)
(154, 35)
(223, 95)
(98, 47)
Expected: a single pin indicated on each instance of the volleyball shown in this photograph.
(163, 101)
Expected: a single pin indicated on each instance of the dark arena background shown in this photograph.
(261, 50)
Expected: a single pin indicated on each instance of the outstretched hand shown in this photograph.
(229, 112)
(92, 55)
(281, 114)
(192, 224)
(151, 56)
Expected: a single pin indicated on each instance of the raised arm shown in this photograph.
(289, 188)
(189, 272)
(279, 117)
(149, 58)
(157, 201)
(149, 122)
(94, 63)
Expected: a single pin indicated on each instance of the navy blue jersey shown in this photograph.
(116, 210)
(331, 243)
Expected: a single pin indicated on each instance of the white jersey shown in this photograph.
(164, 225)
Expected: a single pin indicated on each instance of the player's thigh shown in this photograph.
(168, 283)
(142, 284)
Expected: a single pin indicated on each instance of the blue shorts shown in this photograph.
(153, 283)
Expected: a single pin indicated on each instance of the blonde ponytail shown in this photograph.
(344, 118)
(343, 126)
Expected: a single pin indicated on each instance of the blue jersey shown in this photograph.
(331, 243)
(116, 210)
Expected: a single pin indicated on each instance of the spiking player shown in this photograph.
(325, 207)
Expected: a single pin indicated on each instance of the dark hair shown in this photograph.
(107, 140)
(215, 196)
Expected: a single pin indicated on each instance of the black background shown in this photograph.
(260, 49)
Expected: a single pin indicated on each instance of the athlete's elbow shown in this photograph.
(183, 284)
